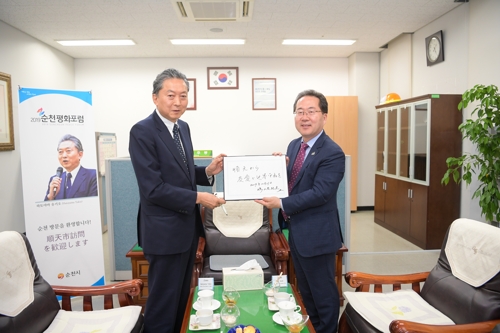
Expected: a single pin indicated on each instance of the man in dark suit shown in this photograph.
(74, 181)
(314, 176)
(169, 222)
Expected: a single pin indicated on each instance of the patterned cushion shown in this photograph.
(379, 309)
(118, 320)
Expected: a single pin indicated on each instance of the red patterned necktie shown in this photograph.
(297, 165)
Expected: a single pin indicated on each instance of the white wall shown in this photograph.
(224, 120)
(482, 67)
(399, 66)
(364, 82)
(30, 64)
(450, 76)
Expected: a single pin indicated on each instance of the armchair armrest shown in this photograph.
(402, 326)
(125, 291)
(279, 246)
(280, 252)
(362, 281)
(198, 262)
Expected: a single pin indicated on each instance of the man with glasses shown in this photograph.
(315, 168)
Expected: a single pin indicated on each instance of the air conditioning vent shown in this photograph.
(214, 10)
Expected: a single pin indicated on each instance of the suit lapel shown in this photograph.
(76, 182)
(169, 142)
(294, 149)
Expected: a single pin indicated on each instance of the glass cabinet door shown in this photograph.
(403, 136)
(392, 140)
(381, 140)
(421, 145)
(404, 141)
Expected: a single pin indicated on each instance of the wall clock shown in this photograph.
(434, 49)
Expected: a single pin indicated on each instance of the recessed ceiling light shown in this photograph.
(96, 42)
(207, 41)
(318, 41)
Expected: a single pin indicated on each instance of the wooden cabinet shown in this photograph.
(414, 139)
(342, 127)
(401, 207)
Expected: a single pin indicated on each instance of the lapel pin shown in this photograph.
(313, 153)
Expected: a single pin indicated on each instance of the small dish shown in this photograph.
(233, 329)
(193, 326)
(215, 305)
(271, 305)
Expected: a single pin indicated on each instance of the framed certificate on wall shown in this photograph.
(264, 94)
(191, 95)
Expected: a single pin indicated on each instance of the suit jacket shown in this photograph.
(83, 185)
(312, 203)
(168, 215)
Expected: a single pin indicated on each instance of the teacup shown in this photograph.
(205, 298)
(288, 309)
(282, 297)
(204, 317)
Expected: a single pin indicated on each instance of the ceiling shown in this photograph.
(151, 23)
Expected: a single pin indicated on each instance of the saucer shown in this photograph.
(215, 305)
(213, 326)
(273, 306)
(277, 318)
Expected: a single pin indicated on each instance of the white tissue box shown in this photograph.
(251, 279)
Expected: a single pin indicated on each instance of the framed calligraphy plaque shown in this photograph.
(255, 177)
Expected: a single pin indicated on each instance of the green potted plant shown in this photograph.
(484, 132)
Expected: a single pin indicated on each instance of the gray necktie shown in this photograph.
(177, 140)
(67, 188)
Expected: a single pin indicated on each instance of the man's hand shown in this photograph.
(216, 166)
(287, 159)
(209, 200)
(270, 202)
(55, 183)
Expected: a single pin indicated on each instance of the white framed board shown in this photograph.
(255, 177)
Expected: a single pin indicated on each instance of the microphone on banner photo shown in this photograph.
(58, 174)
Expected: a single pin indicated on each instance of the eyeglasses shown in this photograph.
(309, 112)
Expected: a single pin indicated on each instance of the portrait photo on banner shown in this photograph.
(59, 137)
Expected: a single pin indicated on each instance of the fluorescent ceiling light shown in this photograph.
(207, 41)
(318, 41)
(96, 42)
